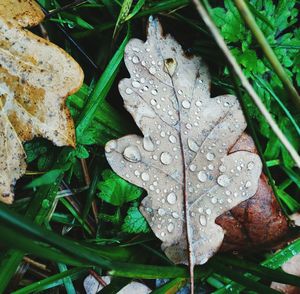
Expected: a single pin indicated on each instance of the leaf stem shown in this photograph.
(269, 53)
(220, 41)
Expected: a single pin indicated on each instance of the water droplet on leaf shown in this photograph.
(202, 176)
(132, 153)
(223, 180)
(171, 198)
(166, 158)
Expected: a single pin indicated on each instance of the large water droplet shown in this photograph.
(210, 156)
(208, 211)
(153, 102)
(154, 92)
(171, 198)
(172, 139)
(222, 168)
(214, 200)
(136, 84)
(223, 180)
(128, 91)
(132, 153)
(193, 167)
(148, 144)
(193, 145)
(145, 177)
(175, 214)
(152, 70)
(202, 220)
(135, 59)
(166, 158)
(186, 104)
(202, 176)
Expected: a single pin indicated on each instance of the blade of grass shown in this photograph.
(295, 177)
(138, 6)
(45, 284)
(263, 83)
(124, 11)
(66, 280)
(101, 89)
(79, 254)
(220, 41)
(238, 277)
(92, 190)
(161, 6)
(260, 271)
(83, 223)
(273, 262)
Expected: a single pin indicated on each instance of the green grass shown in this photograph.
(72, 216)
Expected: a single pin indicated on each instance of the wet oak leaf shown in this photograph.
(35, 78)
(183, 158)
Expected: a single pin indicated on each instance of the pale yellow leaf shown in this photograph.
(35, 78)
(26, 12)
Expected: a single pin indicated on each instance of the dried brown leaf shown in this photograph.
(35, 78)
(182, 159)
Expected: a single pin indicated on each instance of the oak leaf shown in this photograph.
(182, 159)
(35, 78)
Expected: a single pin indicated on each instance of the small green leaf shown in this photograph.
(117, 191)
(134, 222)
(81, 152)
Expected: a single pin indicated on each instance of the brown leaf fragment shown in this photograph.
(35, 78)
(256, 222)
(183, 158)
(26, 12)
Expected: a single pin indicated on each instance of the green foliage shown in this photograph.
(134, 222)
(277, 22)
(274, 21)
(115, 190)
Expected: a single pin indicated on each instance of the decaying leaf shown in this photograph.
(35, 78)
(183, 158)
